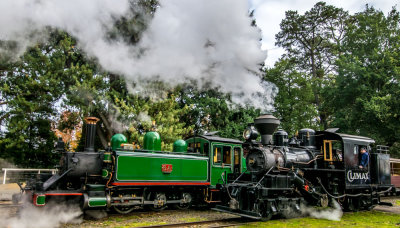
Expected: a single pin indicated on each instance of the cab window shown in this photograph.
(227, 155)
(206, 149)
(194, 147)
(237, 155)
(217, 155)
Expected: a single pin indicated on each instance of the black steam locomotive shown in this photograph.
(311, 169)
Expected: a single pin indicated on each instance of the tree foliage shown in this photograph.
(294, 101)
(365, 96)
(30, 90)
(312, 42)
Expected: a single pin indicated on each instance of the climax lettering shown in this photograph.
(356, 176)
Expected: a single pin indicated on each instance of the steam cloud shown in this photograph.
(49, 217)
(333, 213)
(201, 40)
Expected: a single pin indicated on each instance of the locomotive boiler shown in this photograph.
(313, 168)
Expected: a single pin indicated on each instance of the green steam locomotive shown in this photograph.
(124, 177)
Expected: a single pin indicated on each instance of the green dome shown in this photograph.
(152, 141)
(117, 140)
(180, 146)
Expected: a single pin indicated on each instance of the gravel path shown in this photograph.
(392, 209)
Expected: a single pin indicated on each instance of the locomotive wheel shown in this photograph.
(186, 198)
(266, 217)
(159, 203)
(123, 209)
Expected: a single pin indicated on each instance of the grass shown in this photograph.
(355, 219)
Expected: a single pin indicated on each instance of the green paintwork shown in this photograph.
(104, 173)
(152, 141)
(95, 187)
(97, 202)
(107, 157)
(207, 148)
(180, 146)
(139, 166)
(41, 200)
(117, 140)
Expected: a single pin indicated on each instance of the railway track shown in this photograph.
(209, 223)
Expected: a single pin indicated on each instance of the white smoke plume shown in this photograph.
(201, 40)
(48, 217)
(333, 213)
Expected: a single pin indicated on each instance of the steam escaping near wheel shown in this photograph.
(49, 217)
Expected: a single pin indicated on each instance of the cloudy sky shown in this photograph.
(269, 13)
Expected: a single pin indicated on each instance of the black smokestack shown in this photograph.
(266, 124)
(90, 133)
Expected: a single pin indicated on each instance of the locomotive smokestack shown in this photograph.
(90, 133)
(266, 124)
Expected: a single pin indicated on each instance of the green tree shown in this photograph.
(294, 101)
(210, 110)
(30, 90)
(366, 94)
(312, 41)
(140, 113)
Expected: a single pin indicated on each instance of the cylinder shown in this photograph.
(90, 133)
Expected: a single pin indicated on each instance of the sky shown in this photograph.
(269, 14)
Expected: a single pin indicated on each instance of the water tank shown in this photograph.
(152, 141)
(117, 140)
(180, 146)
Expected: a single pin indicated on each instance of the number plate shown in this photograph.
(166, 168)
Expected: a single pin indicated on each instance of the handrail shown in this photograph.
(53, 171)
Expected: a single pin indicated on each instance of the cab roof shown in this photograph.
(346, 137)
(217, 139)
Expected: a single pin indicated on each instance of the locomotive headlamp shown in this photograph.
(250, 133)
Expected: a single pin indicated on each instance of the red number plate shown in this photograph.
(166, 168)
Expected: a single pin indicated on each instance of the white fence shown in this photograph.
(5, 170)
